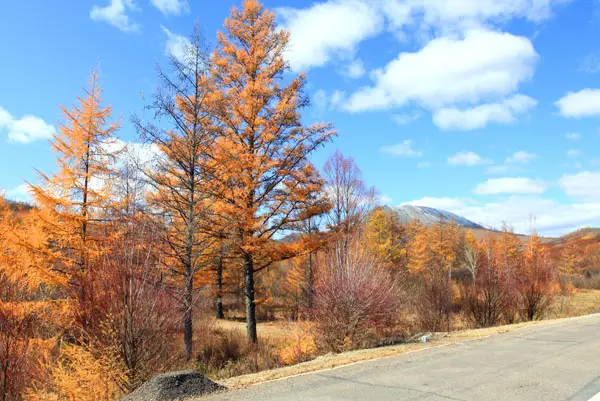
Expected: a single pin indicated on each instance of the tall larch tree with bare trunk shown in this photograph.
(262, 179)
(184, 134)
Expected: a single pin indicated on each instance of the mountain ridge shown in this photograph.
(429, 215)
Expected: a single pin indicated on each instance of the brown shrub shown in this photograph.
(353, 295)
(435, 304)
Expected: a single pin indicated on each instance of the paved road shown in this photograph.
(557, 361)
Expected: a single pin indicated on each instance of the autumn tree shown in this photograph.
(486, 299)
(472, 250)
(384, 236)
(261, 178)
(535, 280)
(434, 252)
(48, 252)
(184, 134)
(509, 257)
(72, 202)
(351, 199)
(571, 258)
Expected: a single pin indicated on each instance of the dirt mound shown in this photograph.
(174, 386)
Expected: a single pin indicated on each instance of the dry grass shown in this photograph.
(580, 303)
(277, 331)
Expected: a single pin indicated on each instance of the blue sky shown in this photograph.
(486, 108)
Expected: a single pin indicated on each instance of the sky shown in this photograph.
(485, 108)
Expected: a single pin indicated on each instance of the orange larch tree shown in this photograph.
(72, 203)
(47, 252)
(261, 178)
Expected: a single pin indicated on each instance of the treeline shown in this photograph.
(108, 264)
(117, 271)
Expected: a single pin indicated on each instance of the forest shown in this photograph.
(126, 266)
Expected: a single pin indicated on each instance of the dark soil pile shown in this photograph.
(174, 386)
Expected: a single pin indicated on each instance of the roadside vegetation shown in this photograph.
(220, 247)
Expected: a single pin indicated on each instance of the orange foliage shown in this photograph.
(261, 178)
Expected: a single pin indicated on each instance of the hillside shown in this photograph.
(428, 215)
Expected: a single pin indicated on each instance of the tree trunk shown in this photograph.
(309, 282)
(220, 314)
(249, 298)
(187, 315)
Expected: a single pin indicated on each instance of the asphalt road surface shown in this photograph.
(555, 361)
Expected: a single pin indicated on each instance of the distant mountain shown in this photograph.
(429, 215)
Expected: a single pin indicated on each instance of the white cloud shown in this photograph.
(328, 30)
(333, 29)
(482, 65)
(573, 136)
(355, 69)
(584, 103)
(451, 16)
(176, 45)
(175, 7)
(19, 193)
(521, 157)
(573, 153)
(467, 159)
(115, 13)
(582, 186)
(26, 129)
(505, 111)
(550, 218)
(406, 118)
(385, 200)
(324, 101)
(403, 148)
(510, 185)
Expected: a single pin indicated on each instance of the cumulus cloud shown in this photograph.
(467, 159)
(175, 7)
(582, 186)
(510, 185)
(115, 14)
(585, 103)
(328, 30)
(355, 69)
(26, 129)
(176, 45)
(482, 65)
(505, 111)
(521, 157)
(344, 24)
(402, 149)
